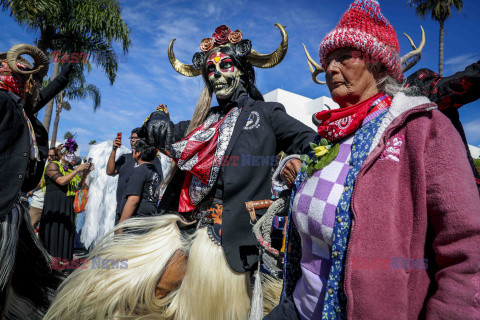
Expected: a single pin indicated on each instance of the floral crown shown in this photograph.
(222, 36)
(241, 47)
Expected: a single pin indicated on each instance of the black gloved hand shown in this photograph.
(66, 69)
(158, 130)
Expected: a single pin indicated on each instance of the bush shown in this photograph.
(477, 163)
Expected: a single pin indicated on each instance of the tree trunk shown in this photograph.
(57, 120)
(49, 109)
(55, 128)
(440, 51)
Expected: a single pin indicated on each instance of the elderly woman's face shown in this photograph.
(347, 77)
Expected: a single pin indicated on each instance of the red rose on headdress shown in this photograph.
(207, 44)
(221, 34)
(235, 36)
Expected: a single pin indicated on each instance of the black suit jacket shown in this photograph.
(15, 142)
(263, 129)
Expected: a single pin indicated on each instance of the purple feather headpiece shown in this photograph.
(71, 145)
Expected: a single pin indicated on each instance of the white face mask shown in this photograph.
(69, 157)
(223, 75)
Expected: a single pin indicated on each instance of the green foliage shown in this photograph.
(69, 135)
(440, 10)
(318, 163)
(91, 26)
(477, 163)
(92, 142)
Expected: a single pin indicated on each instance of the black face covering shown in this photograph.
(241, 90)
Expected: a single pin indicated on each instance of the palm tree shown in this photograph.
(73, 93)
(61, 105)
(92, 142)
(74, 26)
(69, 135)
(440, 11)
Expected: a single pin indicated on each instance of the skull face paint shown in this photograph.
(223, 75)
(69, 157)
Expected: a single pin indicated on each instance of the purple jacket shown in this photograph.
(414, 246)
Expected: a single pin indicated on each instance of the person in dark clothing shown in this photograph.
(27, 281)
(57, 227)
(124, 167)
(141, 192)
(225, 160)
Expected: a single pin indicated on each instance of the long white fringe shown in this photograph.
(124, 291)
(210, 290)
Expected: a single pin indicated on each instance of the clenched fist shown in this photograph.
(158, 130)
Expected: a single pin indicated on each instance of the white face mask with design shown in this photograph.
(69, 157)
(223, 75)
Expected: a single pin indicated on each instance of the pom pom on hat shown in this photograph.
(365, 28)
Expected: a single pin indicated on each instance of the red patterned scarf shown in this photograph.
(338, 123)
(11, 81)
(201, 154)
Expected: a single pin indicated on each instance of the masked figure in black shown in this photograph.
(27, 281)
(224, 157)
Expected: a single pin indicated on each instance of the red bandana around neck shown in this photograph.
(338, 123)
(201, 153)
(11, 81)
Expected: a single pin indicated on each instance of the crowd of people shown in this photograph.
(382, 212)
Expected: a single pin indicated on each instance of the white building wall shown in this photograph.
(475, 151)
(300, 107)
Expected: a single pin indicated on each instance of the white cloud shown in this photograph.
(460, 62)
(472, 131)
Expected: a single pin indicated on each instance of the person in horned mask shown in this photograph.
(224, 158)
(26, 279)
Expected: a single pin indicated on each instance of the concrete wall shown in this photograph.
(300, 107)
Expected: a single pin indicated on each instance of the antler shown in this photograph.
(416, 54)
(272, 59)
(184, 69)
(315, 68)
(40, 59)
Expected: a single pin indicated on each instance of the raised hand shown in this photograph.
(158, 130)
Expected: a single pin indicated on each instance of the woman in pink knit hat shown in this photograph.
(384, 219)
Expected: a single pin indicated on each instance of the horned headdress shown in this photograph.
(243, 47)
(14, 69)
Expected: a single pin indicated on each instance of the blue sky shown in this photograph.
(145, 77)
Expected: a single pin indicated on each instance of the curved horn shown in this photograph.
(315, 68)
(416, 54)
(272, 59)
(184, 69)
(40, 65)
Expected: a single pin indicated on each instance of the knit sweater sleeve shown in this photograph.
(454, 213)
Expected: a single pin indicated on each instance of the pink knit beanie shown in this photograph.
(364, 28)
